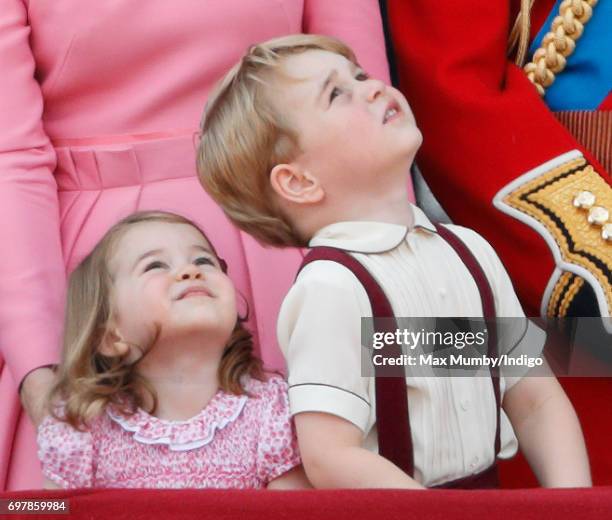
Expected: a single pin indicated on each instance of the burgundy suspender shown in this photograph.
(488, 308)
(392, 418)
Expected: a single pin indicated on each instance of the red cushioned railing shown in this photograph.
(570, 504)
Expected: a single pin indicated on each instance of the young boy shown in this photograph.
(301, 148)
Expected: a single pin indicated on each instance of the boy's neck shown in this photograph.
(391, 210)
(384, 203)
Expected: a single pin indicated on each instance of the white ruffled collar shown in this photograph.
(193, 433)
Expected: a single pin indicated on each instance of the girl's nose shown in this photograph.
(190, 271)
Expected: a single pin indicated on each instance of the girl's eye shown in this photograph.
(362, 76)
(334, 94)
(202, 260)
(156, 264)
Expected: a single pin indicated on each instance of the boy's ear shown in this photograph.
(296, 184)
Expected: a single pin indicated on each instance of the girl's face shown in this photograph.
(168, 284)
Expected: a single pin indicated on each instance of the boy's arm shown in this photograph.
(542, 416)
(295, 478)
(548, 432)
(333, 457)
(319, 331)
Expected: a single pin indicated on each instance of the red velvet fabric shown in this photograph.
(533, 504)
(484, 125)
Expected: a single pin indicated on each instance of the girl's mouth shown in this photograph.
(194, 292)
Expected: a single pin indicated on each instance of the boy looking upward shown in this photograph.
(301, 148)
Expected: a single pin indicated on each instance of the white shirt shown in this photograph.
(452, 419)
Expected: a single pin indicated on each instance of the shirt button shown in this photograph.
(442, 292)
(474, 462)
(465, 404)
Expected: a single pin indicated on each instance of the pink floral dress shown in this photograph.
(235, 442)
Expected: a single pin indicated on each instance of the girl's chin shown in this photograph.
(201, 326)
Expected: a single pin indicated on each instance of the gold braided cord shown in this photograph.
(559, 43)
(575, 286)
(520, 32)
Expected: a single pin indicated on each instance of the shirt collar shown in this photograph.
(369, 237)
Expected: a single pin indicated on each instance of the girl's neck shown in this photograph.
(184, 377)
(180, 403)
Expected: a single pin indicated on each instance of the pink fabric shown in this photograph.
(235, 442)
(99, 102)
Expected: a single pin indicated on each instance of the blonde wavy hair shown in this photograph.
(244, 135)
(87, 380)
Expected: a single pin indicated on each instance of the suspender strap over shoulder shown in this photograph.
(488, 308)
(392, 418)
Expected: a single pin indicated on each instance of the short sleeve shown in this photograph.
(66, 454)
(319, 331)
(277, 450)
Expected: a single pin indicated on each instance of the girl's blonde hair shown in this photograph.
(243, 136)
(87, 380)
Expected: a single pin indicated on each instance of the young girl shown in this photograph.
(158, 385)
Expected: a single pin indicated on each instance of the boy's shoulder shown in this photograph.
(468, 235)
(506, 300)
(325, 274)
(478, 246)
(323, 288)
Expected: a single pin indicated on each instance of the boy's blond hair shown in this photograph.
(243, 136)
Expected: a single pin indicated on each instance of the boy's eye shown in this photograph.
(156, 264)
(334, 94)
(202, 260)
(361, 76)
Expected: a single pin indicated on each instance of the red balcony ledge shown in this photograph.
(557, 504)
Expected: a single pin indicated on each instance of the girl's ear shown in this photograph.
(296, 184)
(113, 344)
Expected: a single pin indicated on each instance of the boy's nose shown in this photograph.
(190, 271)
(374, 88)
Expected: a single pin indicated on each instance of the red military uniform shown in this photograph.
(501, 162)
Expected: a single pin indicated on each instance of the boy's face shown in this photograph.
(352, 129)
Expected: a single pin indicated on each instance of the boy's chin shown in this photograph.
(418, 137)
(412, 140)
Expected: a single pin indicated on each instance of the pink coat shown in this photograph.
(99, 102)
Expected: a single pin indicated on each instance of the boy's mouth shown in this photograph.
(392, 112)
